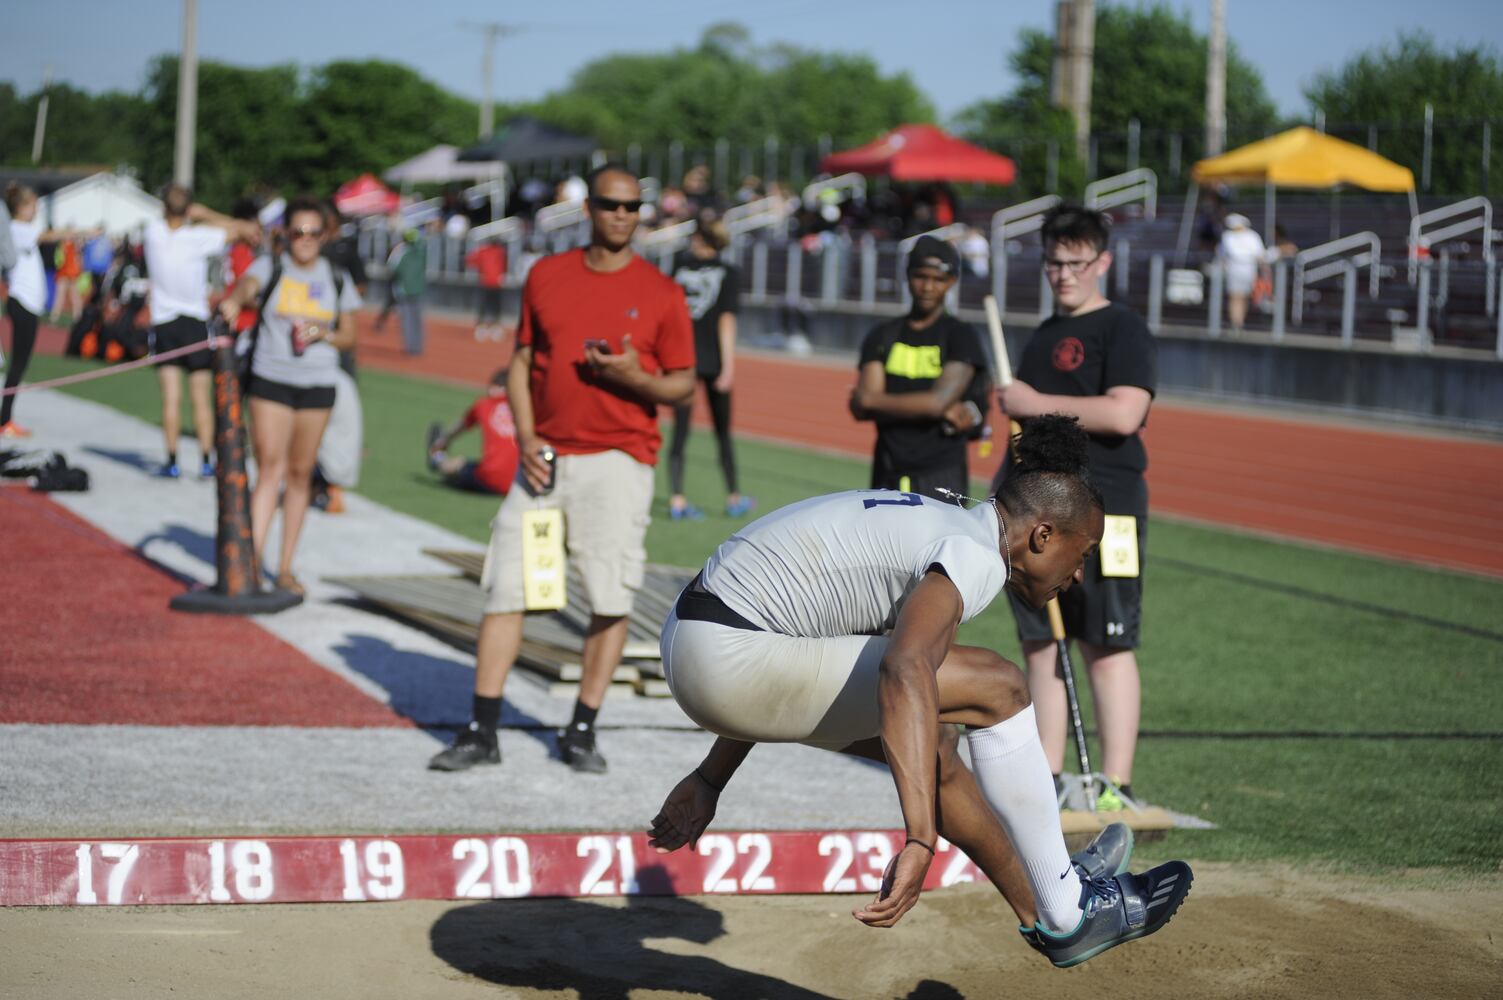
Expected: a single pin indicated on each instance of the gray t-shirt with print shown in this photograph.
(302, 297)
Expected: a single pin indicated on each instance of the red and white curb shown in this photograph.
(160, 871)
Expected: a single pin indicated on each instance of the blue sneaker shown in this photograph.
(169, 470)
(741, 506)
(688, 512)
(1115, 910)
(206, 471)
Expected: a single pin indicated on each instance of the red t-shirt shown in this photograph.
(498, 442)
(564, 303)
(241, 257)
(490, 262)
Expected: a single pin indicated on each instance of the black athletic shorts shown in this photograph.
(1103, 611)
(180, 332)
(490, 305)
(299, 397)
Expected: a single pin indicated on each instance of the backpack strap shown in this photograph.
(261, 304)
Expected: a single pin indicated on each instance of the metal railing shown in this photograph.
(511, 230)
(552, 226)
(1419, 231)
(662, 244)
(1335, 257)
(1141, 184)
(1014, 220)
(759, 214)
(847, 185)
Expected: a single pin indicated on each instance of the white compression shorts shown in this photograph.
(768, 688)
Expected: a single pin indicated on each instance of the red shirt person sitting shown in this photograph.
(497, 466)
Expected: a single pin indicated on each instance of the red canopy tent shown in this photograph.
(366, 196)
(922, 153)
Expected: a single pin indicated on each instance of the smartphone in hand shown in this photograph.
(599, 344)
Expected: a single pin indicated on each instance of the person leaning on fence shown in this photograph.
(604, 339)
(307, 316)
(712, 287)
(915, 374)
(1096, 361)
(179, 247)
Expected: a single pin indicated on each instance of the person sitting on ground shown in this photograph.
(832, 622)
(497, 467)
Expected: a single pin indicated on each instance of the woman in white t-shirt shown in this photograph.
(28, 292)
(308, 318)
(1243, 255)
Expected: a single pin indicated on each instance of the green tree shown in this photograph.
(82, 128)
(1150, 65)
(1381, 94)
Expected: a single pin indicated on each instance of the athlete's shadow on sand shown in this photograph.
(432, 691)
(597, 950)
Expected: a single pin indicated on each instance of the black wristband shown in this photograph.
(718, 788)
(915, 840)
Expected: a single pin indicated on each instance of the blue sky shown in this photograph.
(955, 50)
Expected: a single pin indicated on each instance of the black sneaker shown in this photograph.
(435, 433)
(1115, 910)
(474, 746)
(576, 747)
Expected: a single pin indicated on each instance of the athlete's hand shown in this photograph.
(1019, 399)
(961, 415)
(857, 403)
(685, 814)
(901, 885)
(230, 310)
(725, 379)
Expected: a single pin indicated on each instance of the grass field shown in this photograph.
(1321, 708)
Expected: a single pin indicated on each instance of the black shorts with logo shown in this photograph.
(1101, 610)
(180, 331)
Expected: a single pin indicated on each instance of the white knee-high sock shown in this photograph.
(1013, 773)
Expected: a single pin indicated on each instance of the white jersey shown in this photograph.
(844, 564)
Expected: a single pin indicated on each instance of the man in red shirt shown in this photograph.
(604, 340)
(498, 444)
(488, 261)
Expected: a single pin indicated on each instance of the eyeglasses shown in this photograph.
(612, 205)
(1073, 266)
(304, 231)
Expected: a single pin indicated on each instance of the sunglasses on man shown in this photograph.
(611, 205)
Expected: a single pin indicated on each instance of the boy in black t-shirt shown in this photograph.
(914, 373)
(1096, 361)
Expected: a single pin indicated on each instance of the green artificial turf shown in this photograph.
(1319, 707)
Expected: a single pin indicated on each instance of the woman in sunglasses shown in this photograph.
(307, 318)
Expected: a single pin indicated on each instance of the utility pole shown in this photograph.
(41, 129)
(492, 31)
(1074, 51)
(1216, 81)
(187, 98)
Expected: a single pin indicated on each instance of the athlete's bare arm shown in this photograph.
(870, 399)
(908, 699)
(691, 805)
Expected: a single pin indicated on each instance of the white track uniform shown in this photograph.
(823, 580)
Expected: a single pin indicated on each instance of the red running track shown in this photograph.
(1418, 497)
(129, 660)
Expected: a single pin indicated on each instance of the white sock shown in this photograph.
(1013, 773)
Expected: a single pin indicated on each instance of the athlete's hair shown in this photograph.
(499, 376)
(176, 199)
(1076, 224)
(306, 203)
(1050, 478)
(16, 195)
(608, 167)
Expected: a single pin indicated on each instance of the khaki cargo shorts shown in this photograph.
(606, 500)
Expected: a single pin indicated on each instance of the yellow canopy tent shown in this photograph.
(1300, 158)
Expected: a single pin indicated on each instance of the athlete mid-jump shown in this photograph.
(832, 622)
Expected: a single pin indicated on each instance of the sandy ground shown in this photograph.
(1266, 933)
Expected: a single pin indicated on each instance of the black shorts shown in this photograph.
(180, 332)
(1103, 611)
(299, 397)
(490, 305)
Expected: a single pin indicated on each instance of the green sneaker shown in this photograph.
(1109, 801)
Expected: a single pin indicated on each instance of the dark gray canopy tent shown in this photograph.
(523, 140)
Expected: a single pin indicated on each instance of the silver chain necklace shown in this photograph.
(1001, 521)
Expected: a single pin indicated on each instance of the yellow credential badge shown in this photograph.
(1119, 546)
(543, 566)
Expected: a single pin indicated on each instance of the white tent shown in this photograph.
(441, 165)
(104, 199)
